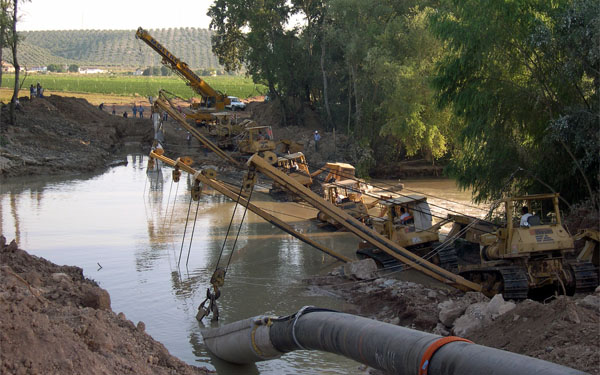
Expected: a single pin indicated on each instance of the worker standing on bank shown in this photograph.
(134, 110)
(317, 140)
(141, 111)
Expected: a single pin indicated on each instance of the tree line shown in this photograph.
(504, 92)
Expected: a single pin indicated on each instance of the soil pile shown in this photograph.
(55, 321)
(59, 134)
(564, 331)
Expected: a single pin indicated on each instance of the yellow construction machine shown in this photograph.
(407, 221)
(347, 196)
(256, 139)
(532, 257)
(336, 172)
(211, 100)
(591, 248)
(295, 166)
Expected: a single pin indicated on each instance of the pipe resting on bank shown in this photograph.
(387, 347)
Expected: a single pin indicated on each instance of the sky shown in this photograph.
(112, 14)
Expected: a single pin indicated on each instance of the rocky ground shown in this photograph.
(564, 330)
(55, 321)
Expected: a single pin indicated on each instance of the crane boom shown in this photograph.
(216, 98)
(359, 229)
(234, 196)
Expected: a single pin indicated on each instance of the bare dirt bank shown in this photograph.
(58, 134)
(55, 321)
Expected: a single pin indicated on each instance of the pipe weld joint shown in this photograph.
(433, 347)
(298, 315)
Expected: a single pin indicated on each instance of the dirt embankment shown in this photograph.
(59, 134)
(55, 321)
(564, 330)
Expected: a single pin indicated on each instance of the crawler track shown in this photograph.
(586, 276)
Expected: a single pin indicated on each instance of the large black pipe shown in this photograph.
(390, 348)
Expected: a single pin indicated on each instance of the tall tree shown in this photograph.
(523, 77)
(5, 22)
(13, 42)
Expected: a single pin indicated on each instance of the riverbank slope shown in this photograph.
(57, 134)
(55, 321)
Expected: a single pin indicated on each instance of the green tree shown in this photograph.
(13, 42)
(73, 68)
(164, 71)
(523, 77)
(5, 25)
(57, 68)
(407, 53)
(252, 33)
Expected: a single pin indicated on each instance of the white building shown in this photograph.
(37, 69)
(91, 71)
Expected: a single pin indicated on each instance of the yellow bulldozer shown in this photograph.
(256, 139)
(407, 221)
(346, 195)
(296, 167)
(336, 172)
(532, 257)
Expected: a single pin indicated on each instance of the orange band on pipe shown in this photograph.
(433, 348)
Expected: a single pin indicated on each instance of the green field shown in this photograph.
(130, 86)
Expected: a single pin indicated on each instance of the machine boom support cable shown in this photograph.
(184, 230)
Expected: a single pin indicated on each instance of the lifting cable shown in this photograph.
(217, 280)
(184, 230)
(192, 235)
(174, 200)
(167, 208)
(239, 228)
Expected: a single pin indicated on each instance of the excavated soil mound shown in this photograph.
(61, 135)
(55, 321)
(565, 331)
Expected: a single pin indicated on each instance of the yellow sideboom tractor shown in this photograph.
(533, 257)
(407, 221)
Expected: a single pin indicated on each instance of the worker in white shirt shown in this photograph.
(526, 215)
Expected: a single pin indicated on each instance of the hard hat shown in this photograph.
(316, 131)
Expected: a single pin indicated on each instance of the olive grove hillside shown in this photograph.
(114, 48)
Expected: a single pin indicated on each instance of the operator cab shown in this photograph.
(347, 195)
(295, 166)
(542, 232)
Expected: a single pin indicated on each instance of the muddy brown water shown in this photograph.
(125, 230)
